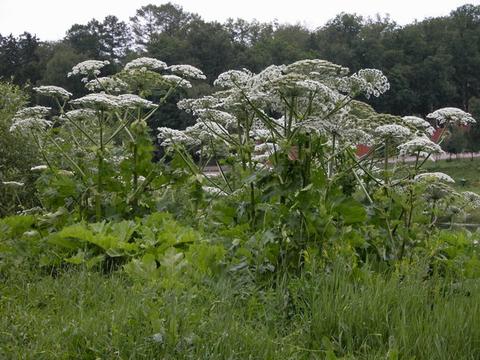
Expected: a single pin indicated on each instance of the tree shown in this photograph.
(210, 47)
(151, 20)
(115, 38)
(85, 39)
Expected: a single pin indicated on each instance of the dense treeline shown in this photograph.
(430, 64)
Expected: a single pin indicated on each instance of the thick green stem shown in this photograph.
(100, 154)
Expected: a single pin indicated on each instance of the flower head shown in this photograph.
(473, 199)
(420, 145)
(134, 101)
(451, 115)
(31, 118)
(110, 84)
(188, 71)
(392, 131)
(367, 81)
(170, 137)
(97, 101)
(435, 176)
(177, 81)
(146, 63)
(232, 78)
(54, 91)
(419, 124)
(79, 114)
(88, 67)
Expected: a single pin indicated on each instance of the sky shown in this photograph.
(50, 19)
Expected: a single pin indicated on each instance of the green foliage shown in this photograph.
(17, 153)
(322, 315)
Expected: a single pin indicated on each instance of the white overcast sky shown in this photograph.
(50, 19)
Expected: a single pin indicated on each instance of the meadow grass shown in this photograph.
(465, 172)
(80, 314)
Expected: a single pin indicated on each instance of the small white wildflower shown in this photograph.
(157, 338)
(145, 63)
(65, 172)
(31, 233)
(13, 183)
(88, 67)
(188, 71)
(39, 168)
(54, 91)
(451, 115)
(434, 176)
(214, 191)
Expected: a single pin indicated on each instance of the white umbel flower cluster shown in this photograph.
(170, 137)
(232, 78)
(146, 63)
(134, 101)
(435, 176)
(221, 117)
(53, 91)
(88, 67)
(108, 102)
(419, 124)
(31, 118)
(392, 131)
(262, 152)
(472, 199)
(316, 68)
(34, 111)
(177, 81)
(213, 191)
(108, 84)
(420, 145)
(451, 115)
(79, 115)
(97, 101)
(366, 81)
(188, 71)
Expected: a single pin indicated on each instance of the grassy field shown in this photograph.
(83, 314)
(465, 172)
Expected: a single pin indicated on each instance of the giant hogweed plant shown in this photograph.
(284, 140)
(97, 149)
(289, 182)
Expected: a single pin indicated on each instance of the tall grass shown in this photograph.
(88, 315)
